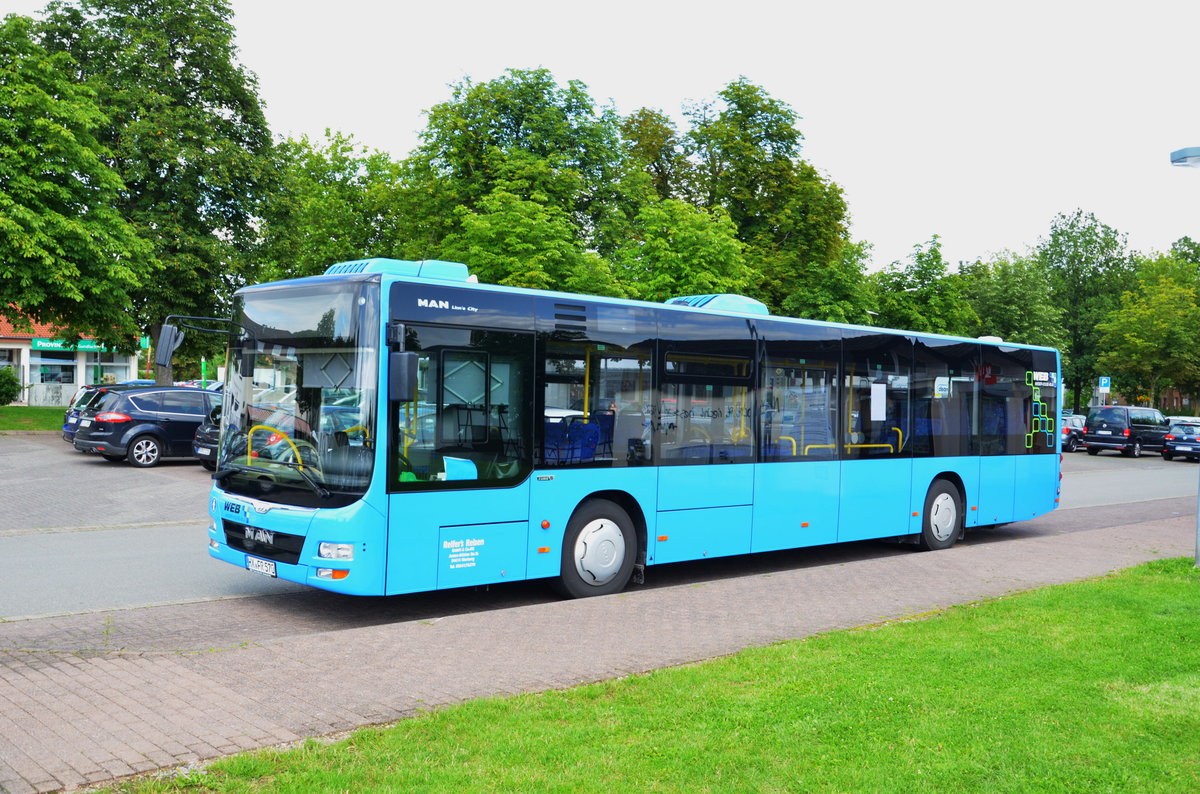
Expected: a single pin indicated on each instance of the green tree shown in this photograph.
(792, 220)
(1011, 295)
(922, 296)
(836, 291)
(1186, 249)
(678, 249)
(1089, 269)
(187, 136)
(522, 134)
(67, 257)
(653, 145)
(1150, 340)
(511, 240)
(335, 201)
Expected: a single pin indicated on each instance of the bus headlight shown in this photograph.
(336, 551)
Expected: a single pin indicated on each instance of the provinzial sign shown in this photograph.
(84, 345)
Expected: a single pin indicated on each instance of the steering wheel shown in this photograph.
(281, 434)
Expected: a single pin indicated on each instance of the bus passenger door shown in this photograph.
(460, 459)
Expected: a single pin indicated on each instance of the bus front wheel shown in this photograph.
(599, 549)
(942, 522)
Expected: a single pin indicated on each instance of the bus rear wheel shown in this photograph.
(598, 553)
(942, 522)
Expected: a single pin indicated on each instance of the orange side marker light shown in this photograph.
(543, 549)
(662, 537)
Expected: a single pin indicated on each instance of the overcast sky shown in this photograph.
(979, 125)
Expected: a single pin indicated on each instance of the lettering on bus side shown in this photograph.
(463, 553)
(428, 303)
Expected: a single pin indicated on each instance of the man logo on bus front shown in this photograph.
(260, 536)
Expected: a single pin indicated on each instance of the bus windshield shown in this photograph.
(301, 377)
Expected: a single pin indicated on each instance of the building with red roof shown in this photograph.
(54, 371)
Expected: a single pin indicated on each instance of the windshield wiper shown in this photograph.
(234, 468)
(318, 489)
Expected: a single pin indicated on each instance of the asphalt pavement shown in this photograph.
(86, 697)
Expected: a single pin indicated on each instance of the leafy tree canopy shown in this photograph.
(922, 296)
(1150, 341)
(679, 249)
(335, 201)
(67, 256)
(1089, 269)
(1011, 295)
(186, 135)
(793, 221)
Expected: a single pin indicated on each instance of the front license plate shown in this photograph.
(265, 567)
(1104, 432)
(86, 423)
(73, 420)
(205, 451)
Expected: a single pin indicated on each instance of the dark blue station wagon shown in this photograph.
(144, 425)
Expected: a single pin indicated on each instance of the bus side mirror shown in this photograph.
(169, 340)
(402, 377)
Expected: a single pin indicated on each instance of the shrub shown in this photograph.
(10, 386)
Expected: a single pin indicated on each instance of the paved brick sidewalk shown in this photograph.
(77, 709)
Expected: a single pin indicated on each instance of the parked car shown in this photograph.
(1183, 441)
(1072, 432)
(1125, 429)
(145, 424)
(82, 398)
(1186, 420)
(207, 438)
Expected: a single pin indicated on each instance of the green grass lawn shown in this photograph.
(23, 417)
(1084, 687)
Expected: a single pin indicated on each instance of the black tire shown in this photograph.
(599, 550)
(1072, 444)
(144, 452)
(1091, 451)
(112, 458)
(1135, 451)
(1167, 455)
(942, 520)
(209, 465)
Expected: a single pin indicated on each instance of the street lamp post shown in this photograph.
(1190, 158)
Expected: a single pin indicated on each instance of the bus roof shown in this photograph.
(433, 271)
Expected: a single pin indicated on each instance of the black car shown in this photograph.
(1183, 441)
(1072, 432)
(1125, 429)
(208, 436)
(145, 424)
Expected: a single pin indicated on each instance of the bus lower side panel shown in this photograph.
(464, 538)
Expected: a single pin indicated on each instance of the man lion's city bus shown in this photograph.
(393, 427)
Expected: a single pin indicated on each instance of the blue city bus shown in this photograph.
(394, 427)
